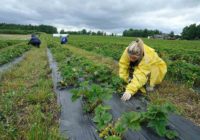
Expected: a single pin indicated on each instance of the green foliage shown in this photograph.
(131, 120)
(113, 138)
(98, 86)
(118, 84)
(191, 32)
(140, 33)
(9, 53)
(26, 29)
(157, 116)
(75, 68)
(6, 43)
(169, 50)
(83, 32)
(171, 134)
(189, 73)
(93, 95)
(102, 116)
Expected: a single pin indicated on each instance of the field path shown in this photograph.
(74, 124)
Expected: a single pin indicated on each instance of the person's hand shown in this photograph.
(126, 96)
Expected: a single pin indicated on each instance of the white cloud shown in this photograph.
(110, 16)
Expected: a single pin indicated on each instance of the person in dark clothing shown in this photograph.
(34, 41)
(63, 40)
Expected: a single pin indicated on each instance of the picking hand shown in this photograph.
(126, 96)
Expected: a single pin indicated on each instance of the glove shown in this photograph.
(126, 96)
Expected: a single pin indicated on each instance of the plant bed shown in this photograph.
(88, 90)
(8, 54)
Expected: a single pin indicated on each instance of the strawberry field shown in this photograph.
(73, 91)
(182, 57)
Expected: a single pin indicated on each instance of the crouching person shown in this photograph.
(138, 64)
(34, 41)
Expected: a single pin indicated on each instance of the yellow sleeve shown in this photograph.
(124, 66)
(139, 77)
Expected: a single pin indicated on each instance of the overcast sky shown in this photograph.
(106, 15)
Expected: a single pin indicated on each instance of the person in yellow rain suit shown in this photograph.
(138, 64)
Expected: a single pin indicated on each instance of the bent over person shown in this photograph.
(34, 41)
(138, 64)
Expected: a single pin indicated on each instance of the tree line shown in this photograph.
(140, 33)
(83, 32)
(26, 29)
(191, 32)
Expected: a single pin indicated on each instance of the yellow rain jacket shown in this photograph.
(151, 64)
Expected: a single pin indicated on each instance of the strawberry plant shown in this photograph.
(117, 129)
(102, 116)
(93, 95)
(156, 118)
(6, 43)
(73, 68)
(9, 53)
(118, 84)
(113, 138)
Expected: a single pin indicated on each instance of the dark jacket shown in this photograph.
(34, 41)
(63, 40)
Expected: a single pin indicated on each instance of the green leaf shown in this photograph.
(106, 107)
(160, 128)
(106, 117)
(171, 134)
(75, 97)
(120, 128)
(96, 119)
(135, 126)
(113, 138)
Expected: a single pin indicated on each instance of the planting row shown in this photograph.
(94, 84)
(118, 44)
(175, 53)
(28, 107)
(6, 43)
(9, 53)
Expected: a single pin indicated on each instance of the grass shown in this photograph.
(28, 106)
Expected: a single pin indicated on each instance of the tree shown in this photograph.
(198, 31)
(62, 31)
(99, 33)
(171, 34)
(190, 32)
(84, 32)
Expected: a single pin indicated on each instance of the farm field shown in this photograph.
(89, 70)
(182, 57)
(183, 70)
